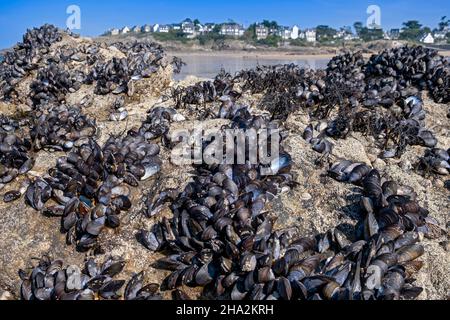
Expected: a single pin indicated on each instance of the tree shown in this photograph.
(325, 33)
(367, 34)
(217, 28)
(412, 30)
(250, 33)
(444, 23)
(270, 24)
(196, 22)
(358, 27)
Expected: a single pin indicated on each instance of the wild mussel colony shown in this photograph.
(221, 237)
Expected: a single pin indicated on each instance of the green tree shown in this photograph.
(270, 24)
(412, 30)
(444, 23)
(358, 27)
(325, 33)
(196, 22)
(217, 28)
(271, 41)
(250, 33)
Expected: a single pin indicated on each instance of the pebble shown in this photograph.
(372, 158)
(427, 183)
(438, 183)
(446, 245)
(6, 296)
(406, 165)
(306, 196)
(379, 164)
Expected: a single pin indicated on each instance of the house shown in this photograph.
(209, 27)
(188, 28)
(285, 33)
(428, 39)
(232, 30)
(311, 35)
(136, 29)
(351, 37)
(440, 35)
(156, 28)
(261, 32)
(125, 30)
(394, 34)
(164, 28)
(340, 34)
(200, 28)
(147, 28)
(114, 32)
(295, 32)
(176, 27)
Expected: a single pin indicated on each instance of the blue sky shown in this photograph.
(99, 15)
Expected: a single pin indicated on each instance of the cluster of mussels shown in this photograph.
(90, 185)
(57, 71)
(392, 131)
(118, 111)
(286, 88)
(14, 153)
(53, 83)
(59, 127)
(50, 280)
(204, 91)
(157, 123)
(403, 67)
(221, 239)
(118, 75)
(25, 57)
(218, 218)
(435, 161)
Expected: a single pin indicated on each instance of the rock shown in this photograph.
(405, 165)
(379, 164)
(438, 183)
(306, 196)
(351, 149)
(6, 295)
(446, 245)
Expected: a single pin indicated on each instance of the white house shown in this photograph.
(188, 28)
(136, 29)
(164, 29)
(440, 35)
(208, 27)
(232, 30)
(311, 35)
(176, 27)
(428, 39)
(261, 32)
(114, 32)
(285, 33)
(147, 28)
(351, 37)
(295, 33)
(125, 30)
(156, 28)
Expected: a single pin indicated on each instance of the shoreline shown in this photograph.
(269, 55)
(288, 55)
